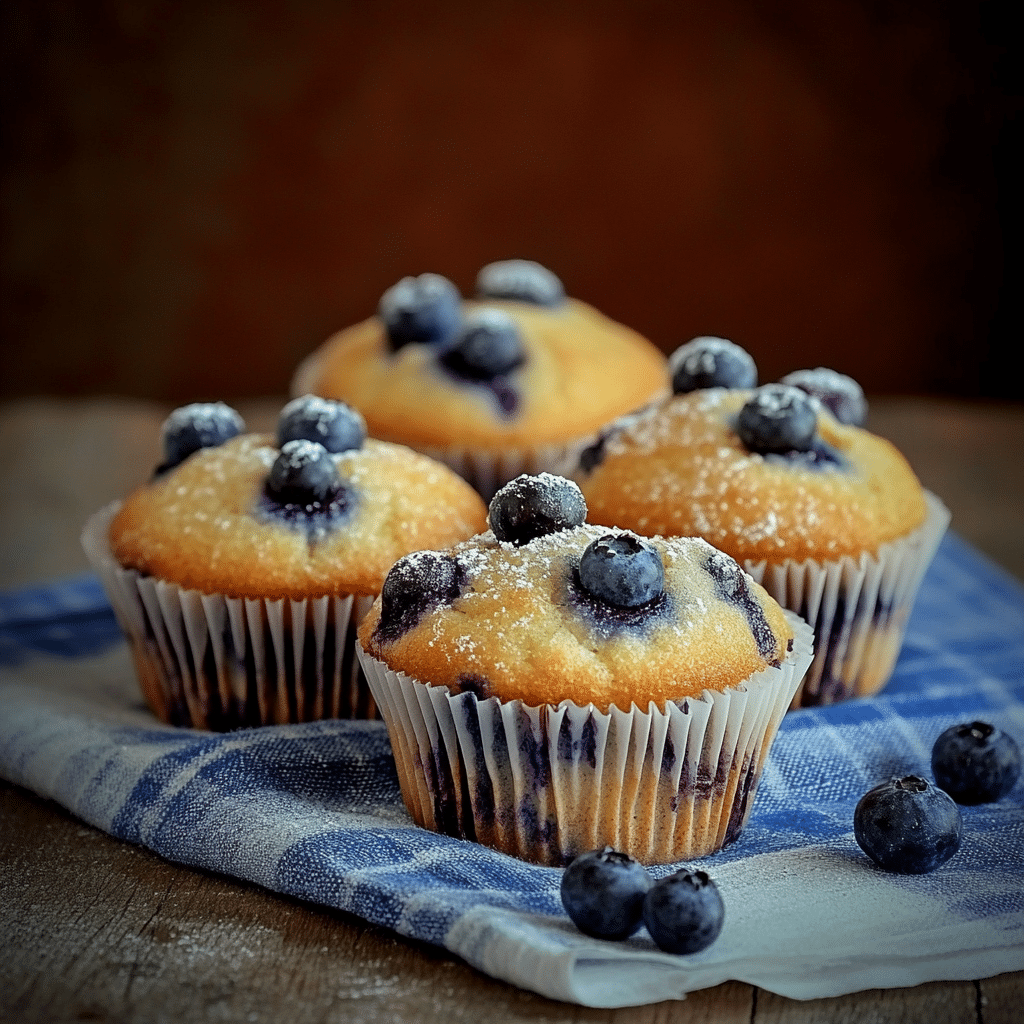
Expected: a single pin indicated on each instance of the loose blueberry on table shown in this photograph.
(532, 506)
(200, 425)
(335, 425)
(778, 418)
(603, 893)
(907, 825)
(522, 281)
(684, 912)
(487, 346)
(622, 569)
(424, 310)
(840, 394)
(976, 763)
(709, 362)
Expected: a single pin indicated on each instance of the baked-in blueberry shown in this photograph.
(907, 825)
(415, 584)
(709, 362)
(622, 569)
(976, 763)
(335, 425)
(603, 893)
(841, 395)
(424, 310)
(532, 506)
(522, 280)
(304, 474)
(487, 346)
(777, 418)
(684, 912)
(200, 425)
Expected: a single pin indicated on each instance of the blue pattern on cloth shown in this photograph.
(315, 811)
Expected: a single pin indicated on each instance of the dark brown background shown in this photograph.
(196, 193)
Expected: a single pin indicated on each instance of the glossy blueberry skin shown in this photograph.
(532, 506)
(603, 893)
(488, 346)
(840, 394)
(684, 912)
(415, 584)
(424, 310)
(304, 474)
(976, 763)
(623, 570)
(777, 418)
(200, 425)
(335, 425)
(708, 362)
(907, 825)
(522, 281)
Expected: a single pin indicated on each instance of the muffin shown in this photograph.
(551, 687)
(241, 569)
(519, 379)
(827, 516)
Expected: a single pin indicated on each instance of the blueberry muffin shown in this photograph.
(827, 516)
(240, 570)
(518, 379)
(552, 687)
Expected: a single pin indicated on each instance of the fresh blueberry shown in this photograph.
(200, 425)
(425, 310)
(975, 763)
(777, 418)
(522, 280)
(487, 346)
(603, 893)
(841, 395)
(532, 506)
(907, 825)
(708, 362)
(684, 912)
(304, 475)
(335, 425)
(415, 584)
(622, 569)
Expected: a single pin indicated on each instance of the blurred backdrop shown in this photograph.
(195, 194)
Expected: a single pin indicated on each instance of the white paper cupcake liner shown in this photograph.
(546, 783)
(858, 608)
(214, 662)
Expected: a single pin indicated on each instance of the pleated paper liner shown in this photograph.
(546, 783)
(214, 662)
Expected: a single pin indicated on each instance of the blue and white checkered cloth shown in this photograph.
(315, 811)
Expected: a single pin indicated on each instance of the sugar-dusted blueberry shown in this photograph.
(335, 425)
(415, 584)
(603, 893)
(777, 418)
(622, 569)
(709, 362)
(487, 346)
(522, 280)
(424, 310)
(304, 474)
(976, 763)
(684, 912)
(532, 506)
(200, 425)
(907, 825)
(840, 394)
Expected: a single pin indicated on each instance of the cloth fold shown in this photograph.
(314, 811)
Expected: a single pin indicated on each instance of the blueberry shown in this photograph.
(711, 363)
(684, 912)
(487, 346)
(335, 425)
(603, 893)
(200, 425)
(423, 310)
(304, 474)
(532, 506)
(415, 584)
(841, 395)
(522, 280)
(975, 763)
(778, 418)
(907, 825)
(622, 569)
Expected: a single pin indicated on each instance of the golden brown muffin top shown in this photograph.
(516, 622)
(680, 468)
(209, 525)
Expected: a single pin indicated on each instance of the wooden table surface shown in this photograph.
(93, 929)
